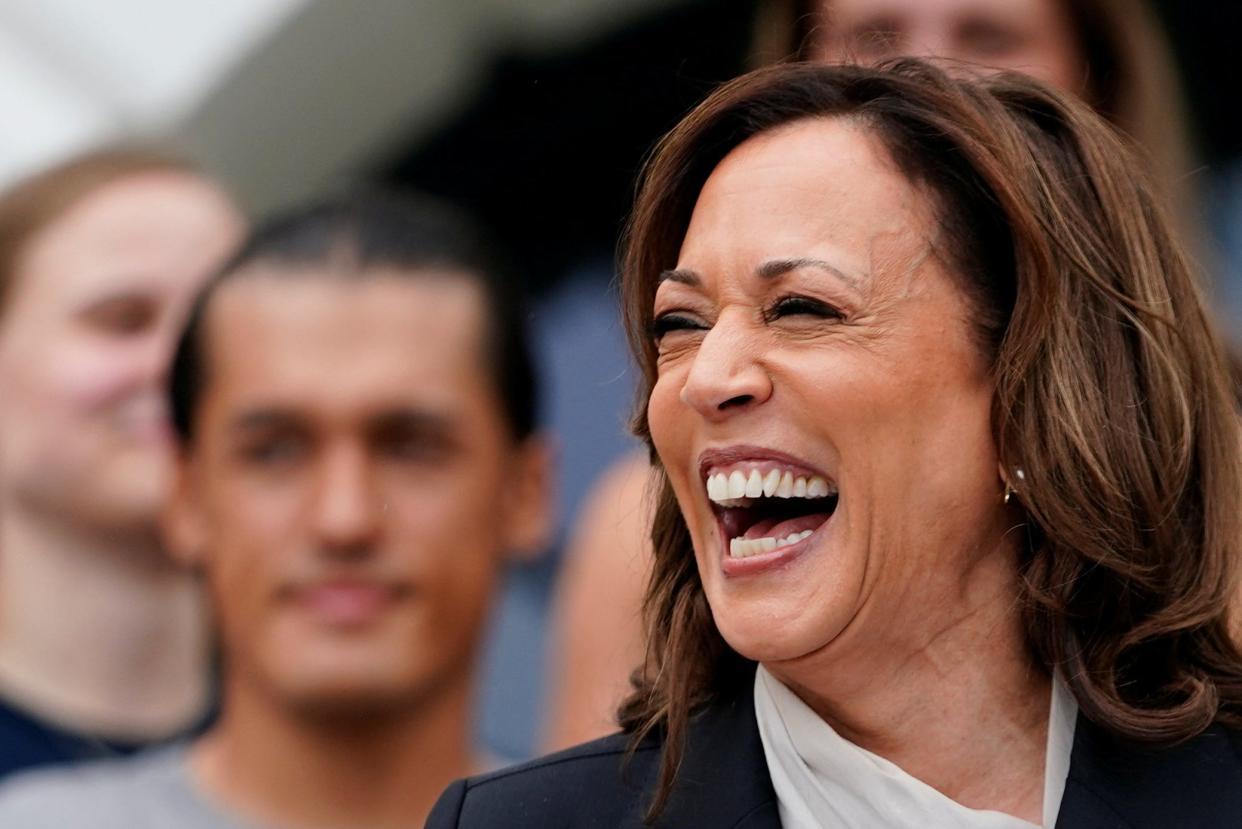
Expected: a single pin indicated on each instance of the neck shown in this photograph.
(301, 771)
(955, 699)
(107, 638)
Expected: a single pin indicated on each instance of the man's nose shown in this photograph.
(727, 375)
(347, 507)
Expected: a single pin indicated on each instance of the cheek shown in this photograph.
(917, 462)
(666, 418)
(252, 536)
(444, 523)
(86, 378)
(670, 424)
(242, 577)
(257, 512)
(449, 542)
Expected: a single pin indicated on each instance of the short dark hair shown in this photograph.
(367, 230)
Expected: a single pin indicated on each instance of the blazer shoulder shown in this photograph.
(1113, 782)
(722, 782)
(598, 783)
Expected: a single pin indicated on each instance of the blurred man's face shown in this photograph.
(352, 485)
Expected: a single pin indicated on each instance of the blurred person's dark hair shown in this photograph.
(356, 233)
(35, 202)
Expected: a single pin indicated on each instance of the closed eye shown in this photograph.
(272, 450)
(793, 306)
(673, 321)
(414, 438)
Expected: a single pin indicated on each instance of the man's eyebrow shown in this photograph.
(414, 419)
(779, 267)
(257, 419)
(682, 275)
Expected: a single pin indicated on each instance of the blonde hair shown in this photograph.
(35, 202)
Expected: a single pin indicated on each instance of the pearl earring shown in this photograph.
(1009, 490)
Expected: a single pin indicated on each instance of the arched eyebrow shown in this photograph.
(771, 269)
(774, 268)
(682, 275)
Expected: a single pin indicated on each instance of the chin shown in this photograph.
(119, 513)
(137, 515)
(128, 494)
(349, 696)
(761, 636)
(776, 619)
(352, 704)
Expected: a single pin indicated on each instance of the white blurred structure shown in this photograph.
(77, 72)
(277, 96)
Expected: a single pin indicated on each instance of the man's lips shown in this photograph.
(347, 602)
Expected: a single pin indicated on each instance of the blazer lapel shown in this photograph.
(723, 782)
(1112, 784)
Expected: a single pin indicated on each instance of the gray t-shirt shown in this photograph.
(150, 791)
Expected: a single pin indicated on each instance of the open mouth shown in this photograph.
(763, 507)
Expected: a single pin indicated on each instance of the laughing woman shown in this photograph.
(951, 503)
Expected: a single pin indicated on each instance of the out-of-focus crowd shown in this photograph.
(258, 484)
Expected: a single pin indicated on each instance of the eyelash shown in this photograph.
(791, 305)
(669, 322)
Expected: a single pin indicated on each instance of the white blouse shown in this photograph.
(822, 780)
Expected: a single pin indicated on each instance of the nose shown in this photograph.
(727, 375)
(346, 510)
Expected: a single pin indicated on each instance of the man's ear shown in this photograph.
(530, 515)
(182, 522)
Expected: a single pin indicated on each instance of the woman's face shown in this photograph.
(85, 339)
(1032, 36)
(821, 408)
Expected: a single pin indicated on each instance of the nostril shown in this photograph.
(720, 384)
(737, 401)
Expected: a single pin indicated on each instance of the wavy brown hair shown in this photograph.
(1111, 390)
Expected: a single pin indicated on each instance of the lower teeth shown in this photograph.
(745, 547)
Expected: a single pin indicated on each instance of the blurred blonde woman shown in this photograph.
(103, 641)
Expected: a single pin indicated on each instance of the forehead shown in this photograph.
(945, 11)
(822, 188)
(321, 340)
(147, 230)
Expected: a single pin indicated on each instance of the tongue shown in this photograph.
(769, 528)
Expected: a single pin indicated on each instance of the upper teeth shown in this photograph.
(725, 487)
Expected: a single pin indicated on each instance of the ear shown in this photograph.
(182, 522)
(529, 515)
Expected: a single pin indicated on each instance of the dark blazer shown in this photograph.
(724, 783)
